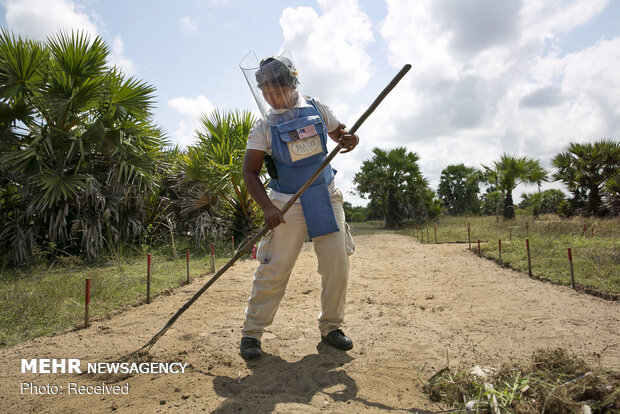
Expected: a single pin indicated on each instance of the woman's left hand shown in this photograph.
(347, 141)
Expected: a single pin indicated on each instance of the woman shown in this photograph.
(293, 136)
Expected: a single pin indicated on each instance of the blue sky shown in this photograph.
(489, 76)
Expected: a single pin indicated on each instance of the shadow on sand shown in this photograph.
(274, 380)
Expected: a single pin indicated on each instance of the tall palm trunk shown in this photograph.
(392, 219)
(594, 201)
(509, 208)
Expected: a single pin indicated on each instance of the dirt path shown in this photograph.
(408, 306)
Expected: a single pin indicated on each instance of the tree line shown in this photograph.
(84, 167)
(397, 190)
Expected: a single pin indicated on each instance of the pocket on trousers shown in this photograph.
(348, 240)
(263, 253)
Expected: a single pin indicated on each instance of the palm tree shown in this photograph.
(393, 181)
(507, 173)
(458, 188)
(214, 166)
(585, 169)
(81, 149)
(613, 189)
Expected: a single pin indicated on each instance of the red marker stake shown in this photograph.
(87, 303)
(570, 266)
(254, 252)
(212, 257)
(499, 247)
(148, 278)
(232, 240)
(529, 260)
(187, 256)
(468, 236)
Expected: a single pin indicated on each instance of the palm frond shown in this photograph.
(20, 63)
(57, 187)
(78, 56)
(129, 98)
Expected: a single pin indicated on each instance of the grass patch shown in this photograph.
(596, 255)
(368, 227)
(47, 299)
(553, 381)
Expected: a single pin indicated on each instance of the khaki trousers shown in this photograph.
(278, 250)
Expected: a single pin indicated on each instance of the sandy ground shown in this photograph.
(410, 307)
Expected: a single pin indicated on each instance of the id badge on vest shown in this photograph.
(305, 142)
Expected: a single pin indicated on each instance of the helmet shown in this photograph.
(277, 70)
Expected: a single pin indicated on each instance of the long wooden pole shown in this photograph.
(284, 209)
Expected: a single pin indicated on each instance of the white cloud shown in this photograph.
(117, 56)
(330, 51)
(477, 91)
(187, 25)
(588, 106)
(544, 20)
(190, 109)
(38, 19)
(477, 25)
(329, 48)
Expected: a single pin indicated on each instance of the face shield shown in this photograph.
(273, 82)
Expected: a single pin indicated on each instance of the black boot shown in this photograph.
(250, 348)
(338, 340)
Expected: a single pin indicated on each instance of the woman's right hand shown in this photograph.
(273, 217)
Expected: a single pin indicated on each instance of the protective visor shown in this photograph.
(273, 82)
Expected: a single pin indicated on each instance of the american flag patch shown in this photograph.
(306, 132)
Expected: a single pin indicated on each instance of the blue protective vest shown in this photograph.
(291, 141)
